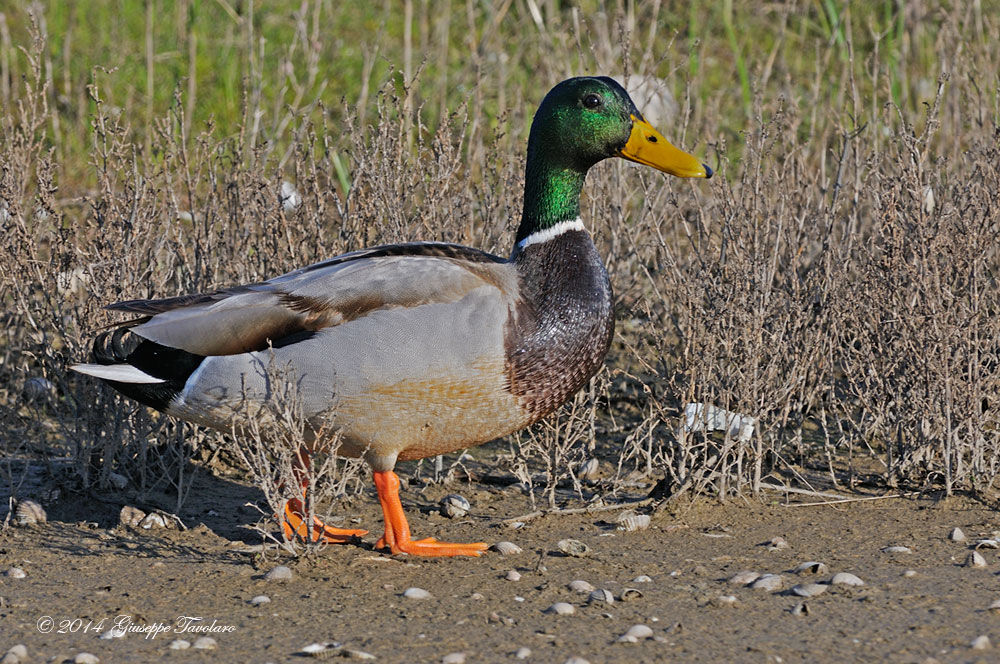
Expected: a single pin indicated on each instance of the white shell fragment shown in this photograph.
(601, 595)
(635, 634)
(809, 589)
(777, 544)
(279, 573)
(846, 579)
(974, 559)
(416, 593)
(956, 535)
(522, 653)
(800, 609)
(113, 633)
(454, 506)
(86, 658)
(987, 544)
(580, 586)
(260, 599)
(29, 513)
(699, 417)
(131, 516)
(642, 578)
(576, 660)
(981, 643)
(506, 548)
(179, 644)
(629, 594)
(204, 643)
(15, 573)
(513, 575)
(634, 522)
(325, 649)
(562, 609)
(574, 548)
(290, 197)
(897, 549)
(453, 658)
(744, 578)
(994, 606)
(726, 600)
(588, 469)
(15, 655)
(811, 567)
(153, 520)
(769, 582)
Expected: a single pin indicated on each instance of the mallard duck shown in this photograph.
(417, 349)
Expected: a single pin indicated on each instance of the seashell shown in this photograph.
(995, 606)
(153, 520)
(325, 649)
(956, 535)
(987, 544)
(523, 653)
(29, 513)
(588, 470)
(260, 599)
(981, 643)
(86, 658)
(576, 660)
(769, 582)
(574, 548)
(513, 575)
(454, 658)
(910, 573)
(744, 578)
(16, 654)
(204, 643)
(726, 600)
(113, 633)
(506, 548)
(279, 573)
(846, 579)
(15, 573)
(561, 608)
(811, 567)
(634, 522)
(635, 634)
(416, 593)
(642, 578)
(131, 516)
(800, 609)
(897, 549)
(777, 543)
(601, 595)
(179, 644)
(629, 594)
(809, 589)
(454, 506)
(117, 480)
(974, 559)
(580, 586)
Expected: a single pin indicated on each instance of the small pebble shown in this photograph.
(910, 573)
(15, 573)
(506, 548)
(974, 559)
(580, 586)
(574, 548)
(846, 579)
(642, 578)
(454, 658)
(523, 653)
(477, 596)
(811, 567)
(179, 644)
(576, 660)
(86, 658)
(809, 589)
(562, 609)
(897, 549)
(260, 599)
(513, 575)
(744, 578)
(204, 643)
(279, 573)
(16, 654)
(113, 633)
(726, 600)
(769, 582)
(956, 535)
(981, 643)
(416, 593)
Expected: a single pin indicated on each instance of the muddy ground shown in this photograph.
(921, 606)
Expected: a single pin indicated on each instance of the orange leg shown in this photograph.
(293, 521)
(397, 530)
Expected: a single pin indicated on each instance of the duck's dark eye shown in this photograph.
(592, 101)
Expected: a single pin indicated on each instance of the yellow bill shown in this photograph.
(647, 146)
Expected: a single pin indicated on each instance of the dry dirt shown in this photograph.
(82, 570)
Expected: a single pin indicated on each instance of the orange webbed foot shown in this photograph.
(397, 530)
(293, 525)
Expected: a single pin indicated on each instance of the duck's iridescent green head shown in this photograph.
(580, 122)
(584, 120)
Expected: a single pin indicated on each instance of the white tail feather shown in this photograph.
(121, 373)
